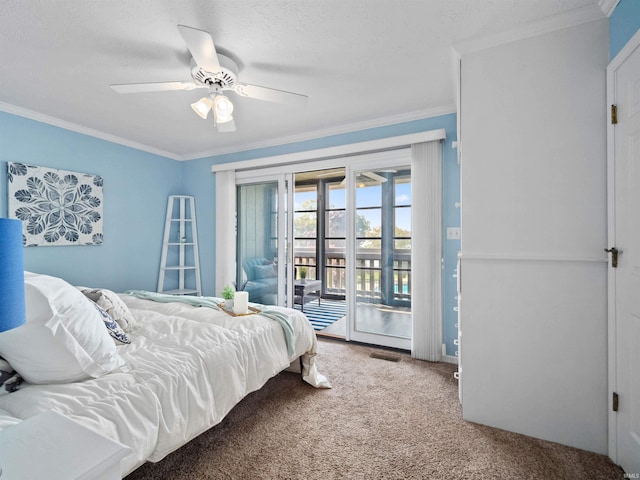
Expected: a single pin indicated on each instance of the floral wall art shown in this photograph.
(57, 207)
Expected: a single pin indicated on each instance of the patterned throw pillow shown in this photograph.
(116, 332)
(10, 380)
(113, 305)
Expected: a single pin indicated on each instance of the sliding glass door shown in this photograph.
(380, 252)
(345, 247)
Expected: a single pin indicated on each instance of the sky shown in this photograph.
(368, 196)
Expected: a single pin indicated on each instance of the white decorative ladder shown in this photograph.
(180, 247)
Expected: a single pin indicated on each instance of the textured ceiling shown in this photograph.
(361, 62)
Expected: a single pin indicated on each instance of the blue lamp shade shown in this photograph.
(12, 306)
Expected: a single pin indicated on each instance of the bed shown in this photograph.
(183, 369)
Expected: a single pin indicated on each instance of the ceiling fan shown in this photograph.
(217, 73)
(368, 178)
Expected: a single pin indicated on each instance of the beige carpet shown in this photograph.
(381, 420)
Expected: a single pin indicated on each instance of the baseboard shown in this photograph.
(449, 359)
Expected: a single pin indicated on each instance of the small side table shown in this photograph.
(52, 446)
(302, 288)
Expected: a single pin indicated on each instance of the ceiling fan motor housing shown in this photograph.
(225, 78)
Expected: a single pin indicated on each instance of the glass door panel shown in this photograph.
(319, 249)
(382, 257)
(258, 242)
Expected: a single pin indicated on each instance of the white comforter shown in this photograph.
(186, 369)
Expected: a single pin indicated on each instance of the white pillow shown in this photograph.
(64, 339)
(111, 303)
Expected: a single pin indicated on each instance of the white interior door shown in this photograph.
(624, 233)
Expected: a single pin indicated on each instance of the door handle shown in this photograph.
(614, 255)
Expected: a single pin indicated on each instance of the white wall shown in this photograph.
(533, 173)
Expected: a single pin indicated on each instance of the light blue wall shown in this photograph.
(136, 185)
(624, 22)
(199, 181)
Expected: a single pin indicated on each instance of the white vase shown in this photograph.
(228, 304)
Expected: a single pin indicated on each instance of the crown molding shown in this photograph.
(312, 135)
(546, 25)
(608, 6)
(74, 127)
(326, 132)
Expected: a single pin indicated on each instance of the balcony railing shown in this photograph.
(370, 284)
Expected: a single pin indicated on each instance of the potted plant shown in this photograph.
(228, 293)
(303, 274)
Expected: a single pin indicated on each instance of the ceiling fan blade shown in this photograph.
(226, 127)
(374, 176)
(154, 87)
(371, 175)
(202, 49)
(269, 94)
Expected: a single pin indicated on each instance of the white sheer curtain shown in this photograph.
(426, 254)
(225, 229)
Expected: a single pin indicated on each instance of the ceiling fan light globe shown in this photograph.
(223, 108)
(223, 118)
(202, 107)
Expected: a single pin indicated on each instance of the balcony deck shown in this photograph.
(383, 292)
(328, 318)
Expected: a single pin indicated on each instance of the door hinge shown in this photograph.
(615, 402)
(614, 114)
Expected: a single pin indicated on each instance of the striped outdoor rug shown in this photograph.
(323, 315)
